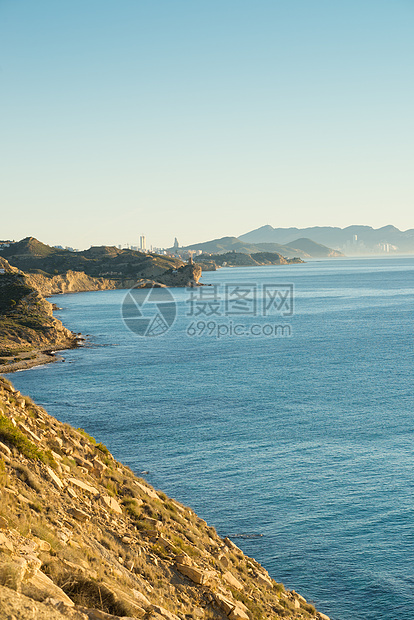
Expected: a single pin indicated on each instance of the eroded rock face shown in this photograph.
(188, 275)
(19, 607)
(103, 544)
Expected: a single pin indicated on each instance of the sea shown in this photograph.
(277, 403)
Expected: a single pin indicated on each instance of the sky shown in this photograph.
(197, 120)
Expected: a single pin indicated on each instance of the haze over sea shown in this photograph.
(305, 440)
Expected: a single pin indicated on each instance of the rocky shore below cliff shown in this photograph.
(29, 333)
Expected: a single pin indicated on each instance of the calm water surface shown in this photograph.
(305, 440)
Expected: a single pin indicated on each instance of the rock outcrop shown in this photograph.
(209, 262)
(78, 282)
(27, 324)
(28, 330)
(82, 538)
(187, 275)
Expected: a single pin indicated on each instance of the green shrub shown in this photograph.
(131, 507)
(87, 436)
(103, 448)
(14, 437)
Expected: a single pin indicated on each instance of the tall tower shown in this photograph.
(142, 242)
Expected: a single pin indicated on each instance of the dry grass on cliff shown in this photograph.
(115, 535)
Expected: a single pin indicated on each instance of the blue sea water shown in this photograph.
(305, 440)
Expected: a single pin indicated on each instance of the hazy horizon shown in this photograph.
(194, 241)
(200, 121)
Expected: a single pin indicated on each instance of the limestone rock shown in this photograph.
(98, 465)
(147, 490)
(226, 604)
(183, 558)
(154, 523)
(187, 275)
(43, 545)
(16, 606)
(3, 523)
(264, 580)
(195, 574)
(79, 514)
(149, 533)
(5, 542)
(164, 613)
(111, 503)
(238, 614)
(142, 600)
(164, 542)
(231, 545)
(83, 486)
(97, 614)
(39, 587)
(130, 601)
(5, 449)
(57, 482)
(299, 596)
(232, 581)
(12, 573)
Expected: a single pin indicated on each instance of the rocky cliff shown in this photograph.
(243, 259)
(70, 282)
(28, 329)
(187, 275)
(82, 537)
(77, 281)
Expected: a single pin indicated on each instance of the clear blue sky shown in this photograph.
(203, 119)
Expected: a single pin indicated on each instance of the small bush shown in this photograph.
(36, 506)
(309, 608)
(10, 575)
(103, 449)
(112, 488)
(44, 533)
(87, 436)
(28, 478)
(89, 593)
(14, 437)
(132, 508)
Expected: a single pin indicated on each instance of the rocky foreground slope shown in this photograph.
(82, 537)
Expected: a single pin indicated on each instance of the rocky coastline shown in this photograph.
(83, 538)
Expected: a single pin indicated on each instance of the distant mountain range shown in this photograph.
(352, 241)
(299, 248)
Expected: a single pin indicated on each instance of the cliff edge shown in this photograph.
(28, 329)
(82, 537)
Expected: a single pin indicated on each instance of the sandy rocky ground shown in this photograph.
(82, 537)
